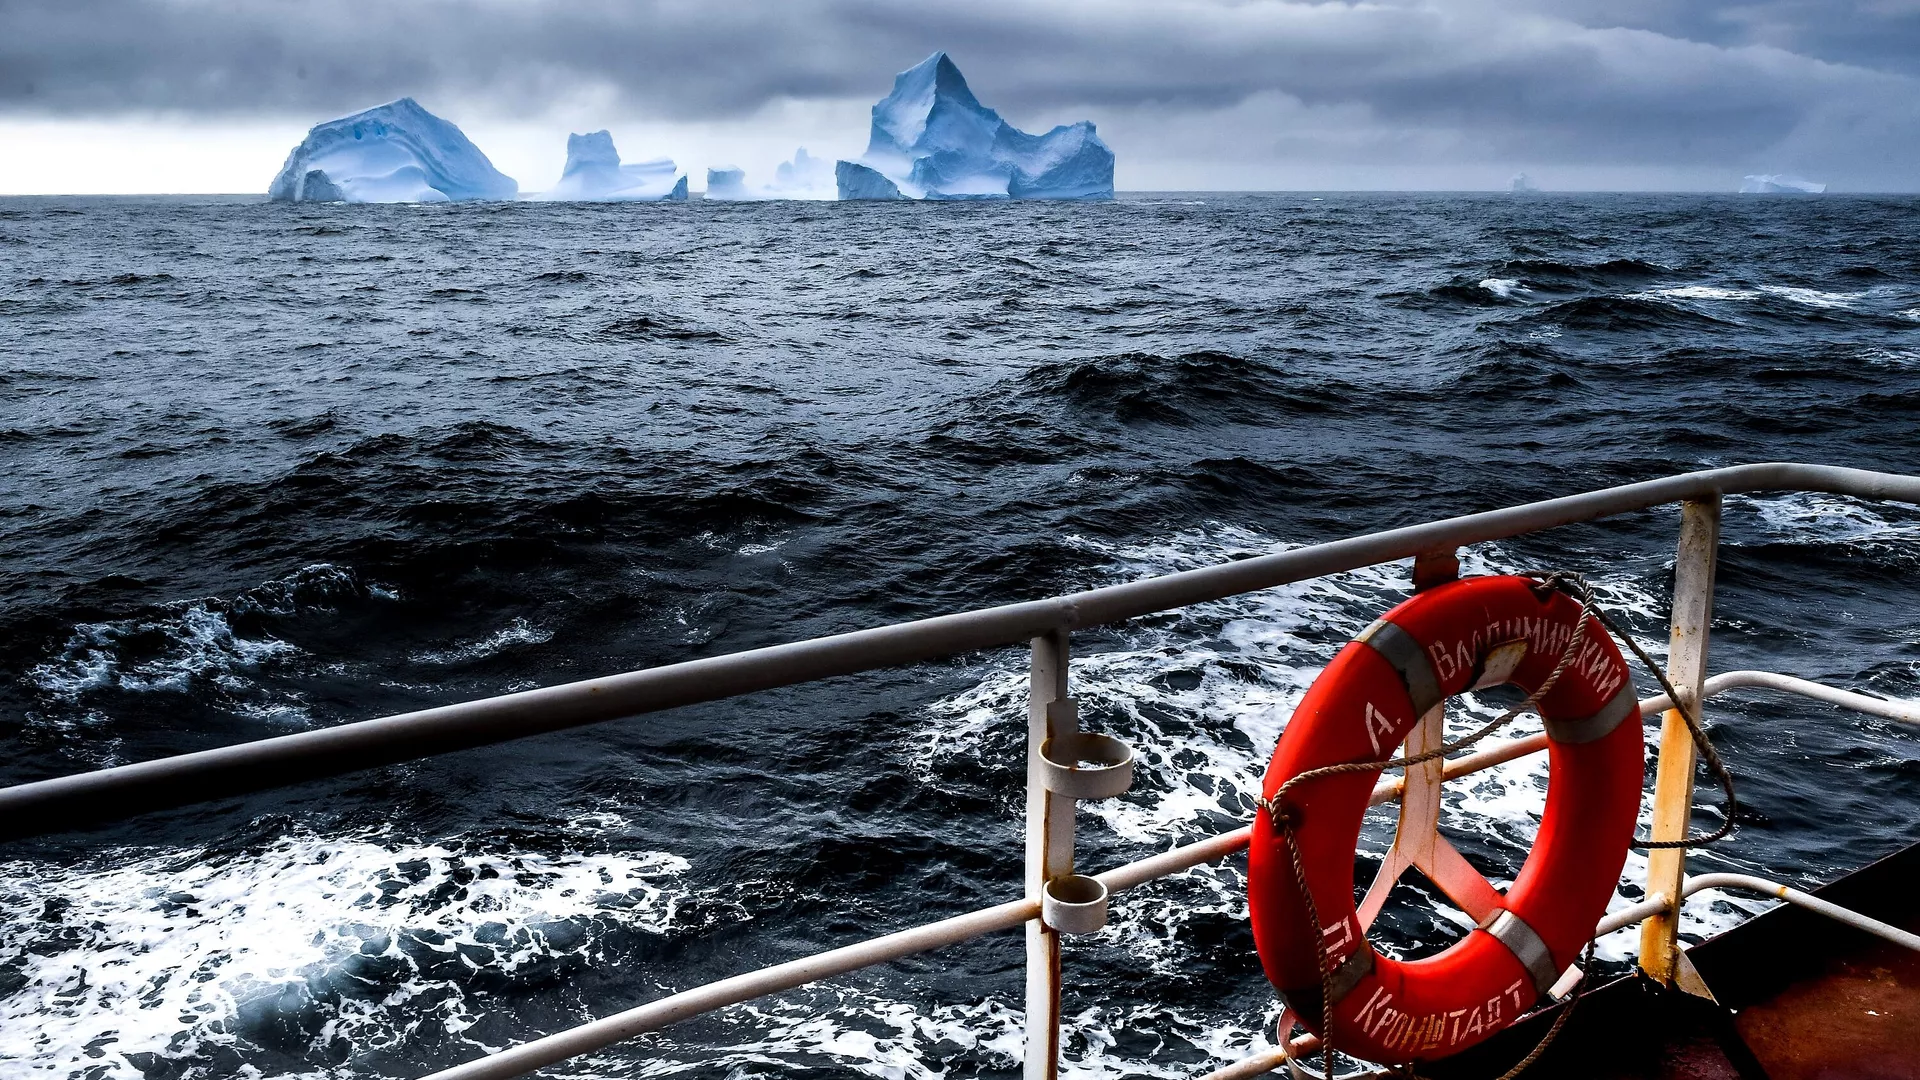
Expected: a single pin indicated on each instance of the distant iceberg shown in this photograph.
(727, 184)
(594, 174)
(805, 177)
(1522, 184)
(932, 139)
(392, 153)
(1780, 184)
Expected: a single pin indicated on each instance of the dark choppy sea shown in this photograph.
(267, 468)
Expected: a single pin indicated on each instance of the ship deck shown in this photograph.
(1799, 997)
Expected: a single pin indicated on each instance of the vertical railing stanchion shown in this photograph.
(1673, 782)
(1049, 851)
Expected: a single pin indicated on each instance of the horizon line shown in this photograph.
(262, 196)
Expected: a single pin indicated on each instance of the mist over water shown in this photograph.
(269, 468)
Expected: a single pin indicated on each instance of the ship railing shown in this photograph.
(1064, 764)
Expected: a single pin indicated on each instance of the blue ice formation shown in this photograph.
(805, 177)
(856, 181)
(727, 184)
(397, 152)
(932, 139)
(1780, 184)
(594, 174)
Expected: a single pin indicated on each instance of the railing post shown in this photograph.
(1049, 852)
(1673, 782)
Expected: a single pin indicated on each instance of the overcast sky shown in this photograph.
(209, 95)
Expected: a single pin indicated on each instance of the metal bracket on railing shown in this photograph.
(1074, 904)
(1084, 765)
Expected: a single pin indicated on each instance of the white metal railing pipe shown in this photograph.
(66, 802)
(1049, 847)
(1749, 883)
(1907, 712)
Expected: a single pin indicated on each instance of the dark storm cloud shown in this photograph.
(1632, 81)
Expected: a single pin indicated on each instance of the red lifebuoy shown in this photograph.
(1360, 709)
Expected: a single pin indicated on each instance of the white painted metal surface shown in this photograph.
(1050, 717)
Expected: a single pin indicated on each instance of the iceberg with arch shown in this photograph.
(392, 153)
(594, 173)
(932, 139)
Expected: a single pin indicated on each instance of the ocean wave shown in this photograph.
(216, 647)
(1605, 271)
(1699, 292)
(1187, 389)
(310, 948)
(648, 328)
(516, 633)
(1618, 314)
(1814, 298)
(1806, 518)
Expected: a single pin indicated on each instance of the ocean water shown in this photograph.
(268, 468)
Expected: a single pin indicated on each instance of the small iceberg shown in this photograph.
(392, 153)
(1522, 184)
(594, 173)
(804, 177)
(932, 139)
(1780, 184)
(727, 184)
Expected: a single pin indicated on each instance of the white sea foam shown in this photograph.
(171, 953)
(1812, 297)
(1891, 358)
(1911, 313)
(1697, 292)
(1809, 297)
(1504, 288)
(192, 641)
(882, 1036)
(1815, 518)
(517, 632)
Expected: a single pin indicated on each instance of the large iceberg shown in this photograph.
(805, 177)
(932, 139)
(594, 174)
(1780, 184)
(397, 152)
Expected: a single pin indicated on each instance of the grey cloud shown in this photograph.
(1614, 81)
